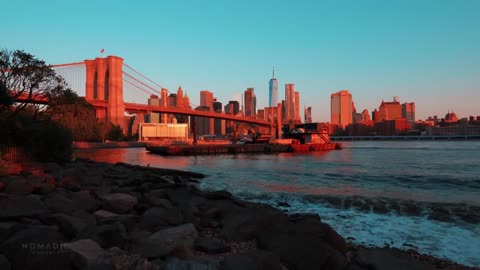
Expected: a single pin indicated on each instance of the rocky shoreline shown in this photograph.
(92, 215)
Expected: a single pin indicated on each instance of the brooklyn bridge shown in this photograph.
(107, 83)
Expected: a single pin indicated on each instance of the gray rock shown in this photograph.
(102, 215)
(83, 200)
(165, 241)
(69, 225)
(155, 218)
(120, 202)
(106, 235)
(176, 264)
(59, 203)
(4, 263)
(256, 259)
(160, 202)
(21, 206)
(121, 260)
(211, 245)
(84, 253)
(388, 259)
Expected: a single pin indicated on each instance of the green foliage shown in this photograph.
(115, 133)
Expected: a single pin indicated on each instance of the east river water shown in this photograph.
(422, 195)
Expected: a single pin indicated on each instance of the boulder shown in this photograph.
(120, 259)
(21, 206)
(211, 245)
(106, 235)
(387, 259)
(120, 202)
(70, 226)
(102, 215)
(304, 244)
(58, 202)
(165, 241)
(83, 200)
(156, 218)
(176, 264)
(256, 259)
(84, 253)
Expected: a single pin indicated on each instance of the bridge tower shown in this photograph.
(104, 82)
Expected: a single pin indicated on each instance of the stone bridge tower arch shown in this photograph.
(104, 82)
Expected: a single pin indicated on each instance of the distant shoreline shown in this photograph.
(104, 145)
(407, 138)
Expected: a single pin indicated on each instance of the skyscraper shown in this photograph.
(273, 91)
(250, 102)
(296, 116)
(206, 99)
(308, 114)
(289, 102)
(408, 112)
(341, 108)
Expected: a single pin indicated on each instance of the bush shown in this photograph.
(43, 140)
(115, 133)
(49, 141)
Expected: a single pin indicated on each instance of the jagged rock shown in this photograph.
(36, 247)
(176, 264)
(59, 203)
(84, 253)
(21, 206)
(257, 259)
(83, 200)
(387, 259)
(303, 244)
(164, 241)
(120, 202)
(4, 263)
(211, 245)
(155, 218)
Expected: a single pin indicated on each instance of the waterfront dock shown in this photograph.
(217, 149)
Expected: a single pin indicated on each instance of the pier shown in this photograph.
(218, 149)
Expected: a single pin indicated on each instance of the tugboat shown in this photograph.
(309, 137)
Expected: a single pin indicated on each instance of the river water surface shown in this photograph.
(422, 195)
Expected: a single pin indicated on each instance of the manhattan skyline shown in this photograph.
(423, 52)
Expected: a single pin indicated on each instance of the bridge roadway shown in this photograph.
(144, 108)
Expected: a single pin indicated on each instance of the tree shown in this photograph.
(5, 99)
(27, 80)
(115, 133)
(75, 114)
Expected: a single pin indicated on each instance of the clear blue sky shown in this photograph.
(426, 51)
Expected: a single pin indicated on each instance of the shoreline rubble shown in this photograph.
(94, 215)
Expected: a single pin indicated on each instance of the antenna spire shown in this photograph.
(273, 72)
